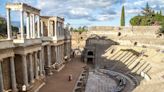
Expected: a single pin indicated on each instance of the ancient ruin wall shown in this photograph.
(124, 35)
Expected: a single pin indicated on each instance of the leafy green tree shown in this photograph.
(148, 17)
(123, 16)
(3, 28)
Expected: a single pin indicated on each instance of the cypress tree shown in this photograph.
(160, 12)
(123, 16)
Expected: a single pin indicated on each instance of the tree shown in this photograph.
(123, 16)
(136, 21)
(3, 28)
(147, 11)
(149, 17)
(160, 12)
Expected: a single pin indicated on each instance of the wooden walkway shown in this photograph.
(58, 82)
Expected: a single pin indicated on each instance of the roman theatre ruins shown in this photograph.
(117, 59)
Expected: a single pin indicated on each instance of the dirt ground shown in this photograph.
(58, 82)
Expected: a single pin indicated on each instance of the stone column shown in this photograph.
(31, 68)
(48, 28)
(43, 60)
(9, 30)
(24, 68)
(28, 25)
(40, 63)
(36, 65)
(55, 24)
(62, 53)
(31, 26)
(1, 78)
(56, 54)
(38, 26)
(62, 29)
(49, 55)
(13, 77)
(59, 55)
(49, 60)
(33, 23)
(22, 24)
(42, 29)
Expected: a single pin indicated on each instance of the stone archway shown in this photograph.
(90, 53)
(90, 57)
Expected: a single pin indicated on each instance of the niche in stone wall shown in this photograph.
(159, 35)
(81, 38)
(90, 53)
(119, 34)
(135, 43)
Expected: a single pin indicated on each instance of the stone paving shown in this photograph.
(58, 82)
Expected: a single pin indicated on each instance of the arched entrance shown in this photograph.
(90, 57)
(90, 53)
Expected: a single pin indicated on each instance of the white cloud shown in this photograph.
(133, 11)
(76, 9)
(91, 10)
(105, 17)
(79, 11)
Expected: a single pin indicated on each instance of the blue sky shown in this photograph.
(87, 12)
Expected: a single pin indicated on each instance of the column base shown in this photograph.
(59, 67)
(48, 71)
(32, 81)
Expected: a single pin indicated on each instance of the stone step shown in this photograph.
(134, 63)
(122, 56)
(134, 59)
(145, 64)
(127, 57)
(131, 60)
(116, 55)
(138, 67)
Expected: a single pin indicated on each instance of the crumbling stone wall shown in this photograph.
(142, 35)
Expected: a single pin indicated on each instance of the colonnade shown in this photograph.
(36, 70)
(59, 54)
(30, 25)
